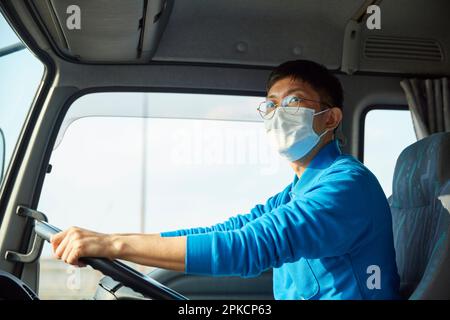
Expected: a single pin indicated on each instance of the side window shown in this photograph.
(20, 75)
(386, 133)
(152, 162)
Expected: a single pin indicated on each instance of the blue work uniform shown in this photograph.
(327, 235)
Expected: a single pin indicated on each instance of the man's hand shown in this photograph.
(74, 243)
(146, 249)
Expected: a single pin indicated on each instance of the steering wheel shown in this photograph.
(117, 270)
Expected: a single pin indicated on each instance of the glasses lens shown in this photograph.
(291, 104)
(266, 108)
(291, 101)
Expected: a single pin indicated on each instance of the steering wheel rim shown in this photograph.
(117, 270)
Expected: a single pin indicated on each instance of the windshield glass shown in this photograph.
(20, 75)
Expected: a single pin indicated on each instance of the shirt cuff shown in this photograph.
(171, 234)
(199, 254)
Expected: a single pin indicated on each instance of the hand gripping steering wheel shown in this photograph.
(115, 269)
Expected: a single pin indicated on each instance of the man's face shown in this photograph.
(288, 87)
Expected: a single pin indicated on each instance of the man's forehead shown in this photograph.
(296, 90)
(289, 85)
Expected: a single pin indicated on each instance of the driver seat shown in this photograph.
(420, 206)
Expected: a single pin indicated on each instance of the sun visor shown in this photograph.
(104, 30)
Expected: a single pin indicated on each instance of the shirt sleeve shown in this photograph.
(233, 223)
(328, 220)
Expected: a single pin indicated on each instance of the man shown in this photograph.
(327, 235)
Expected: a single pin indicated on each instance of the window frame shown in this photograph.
(10, 174)
(44, 87)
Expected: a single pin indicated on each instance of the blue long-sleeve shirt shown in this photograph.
(327, 235)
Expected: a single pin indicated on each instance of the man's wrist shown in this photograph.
(117, 244)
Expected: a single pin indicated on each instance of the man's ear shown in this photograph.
(334, 118)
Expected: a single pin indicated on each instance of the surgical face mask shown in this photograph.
(292, 134)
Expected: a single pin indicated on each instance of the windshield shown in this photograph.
(20, 75)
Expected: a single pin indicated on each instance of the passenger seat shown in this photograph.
(420, 206)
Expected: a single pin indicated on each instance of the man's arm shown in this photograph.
(146, 249)
(168, 249)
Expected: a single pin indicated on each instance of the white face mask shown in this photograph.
(293, 134)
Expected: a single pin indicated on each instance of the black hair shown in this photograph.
(316, 75)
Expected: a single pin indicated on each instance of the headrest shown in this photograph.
(421, 171)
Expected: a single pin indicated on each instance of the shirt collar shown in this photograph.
(322, 160)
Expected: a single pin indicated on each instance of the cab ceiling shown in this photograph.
(252, 32)
(414, 37)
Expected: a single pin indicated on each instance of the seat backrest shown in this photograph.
(420, 206)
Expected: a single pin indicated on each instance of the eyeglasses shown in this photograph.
(289, 104)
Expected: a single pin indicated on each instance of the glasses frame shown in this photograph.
(270, 115)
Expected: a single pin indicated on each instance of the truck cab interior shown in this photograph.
(171, 61)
